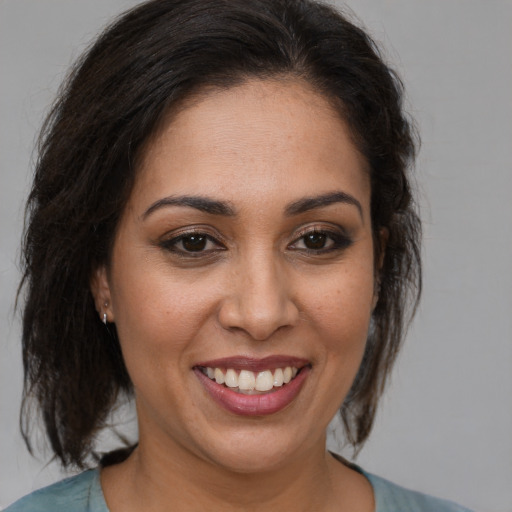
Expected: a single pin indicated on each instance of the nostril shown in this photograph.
(260, 323)
(259, 311)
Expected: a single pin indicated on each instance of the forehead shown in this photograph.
(262, 138)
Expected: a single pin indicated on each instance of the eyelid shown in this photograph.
(326, 228)
(205, 230)
(338, 235)
(170, 240)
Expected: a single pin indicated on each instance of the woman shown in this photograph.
(221, 225)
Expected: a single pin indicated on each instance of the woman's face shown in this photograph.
(244, 255)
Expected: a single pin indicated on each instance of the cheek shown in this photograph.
(158, 313)
(343, 300)
(341, 312)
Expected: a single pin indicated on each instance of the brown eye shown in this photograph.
(315, 240)
(318, 242)
(194, 243)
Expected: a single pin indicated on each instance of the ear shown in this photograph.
(100, 290)
(383, 241)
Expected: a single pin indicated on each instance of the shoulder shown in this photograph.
(390, 497)
(81, 493)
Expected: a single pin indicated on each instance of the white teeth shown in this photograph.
(231, 379)
(264, 381)
(219, 376)
(246, 380)
(278, 378)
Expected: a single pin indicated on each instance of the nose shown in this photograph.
(258, 299)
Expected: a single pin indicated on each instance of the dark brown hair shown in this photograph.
(147, 62)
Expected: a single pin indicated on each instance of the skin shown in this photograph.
(255, 290)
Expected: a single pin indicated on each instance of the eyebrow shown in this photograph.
(310, 203)
(216, 207)
(201, 203)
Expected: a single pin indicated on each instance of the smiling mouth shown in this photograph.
(248, 382)
(248, 386)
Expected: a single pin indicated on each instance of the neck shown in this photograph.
(153, 479)
(201, 484)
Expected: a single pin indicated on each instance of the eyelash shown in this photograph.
(339, 241)
(171, 245)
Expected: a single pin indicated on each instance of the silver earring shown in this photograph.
(105, 314)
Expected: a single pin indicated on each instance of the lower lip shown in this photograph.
(253, 405)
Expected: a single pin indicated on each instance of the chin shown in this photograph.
(256, 450)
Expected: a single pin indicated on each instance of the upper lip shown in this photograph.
(255, 364)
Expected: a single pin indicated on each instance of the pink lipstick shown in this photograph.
(253, 387)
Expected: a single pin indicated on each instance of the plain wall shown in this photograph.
(445, 424)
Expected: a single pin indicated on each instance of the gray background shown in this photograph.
(445, 426)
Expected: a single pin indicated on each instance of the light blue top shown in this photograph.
(82, 493)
